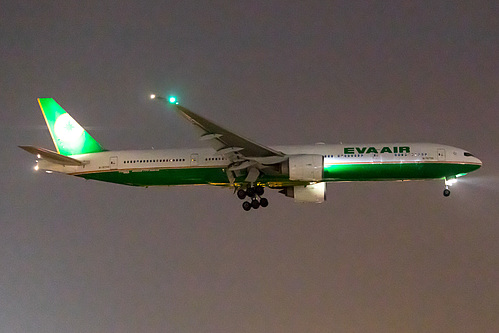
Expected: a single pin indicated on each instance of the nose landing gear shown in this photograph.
(446, 192)
(448, 182)
(255, 193)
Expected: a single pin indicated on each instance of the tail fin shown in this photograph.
(68, 136)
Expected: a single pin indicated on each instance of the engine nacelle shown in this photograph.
(315, 193)
(305, 167)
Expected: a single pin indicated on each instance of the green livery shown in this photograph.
(68, 136)
(299, 172)
(332, 173)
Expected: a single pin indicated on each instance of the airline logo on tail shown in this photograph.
(68, 136)
(67, 129)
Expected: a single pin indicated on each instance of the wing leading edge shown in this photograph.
(226, 142)
(245, 155)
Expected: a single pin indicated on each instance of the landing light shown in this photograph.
(153, 96)
(36, 167)
(450, 182)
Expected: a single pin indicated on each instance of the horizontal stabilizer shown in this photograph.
(51, 156)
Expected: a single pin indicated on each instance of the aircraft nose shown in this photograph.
(477, 161)
(472, 159)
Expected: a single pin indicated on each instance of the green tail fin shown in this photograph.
(68, 136)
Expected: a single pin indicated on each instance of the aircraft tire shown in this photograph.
(246, 205)
(259, 190)
(241, 194)
(255, 204)
(250, 192)
(446, 192)
(264, 202)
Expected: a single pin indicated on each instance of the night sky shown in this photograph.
(85, 256)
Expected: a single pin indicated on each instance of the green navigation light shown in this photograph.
(170, 99)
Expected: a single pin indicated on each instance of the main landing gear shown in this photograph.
(255, 194)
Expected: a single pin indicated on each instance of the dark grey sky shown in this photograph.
(80, 256)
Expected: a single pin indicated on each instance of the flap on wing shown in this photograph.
(51, 156)
(225, 141)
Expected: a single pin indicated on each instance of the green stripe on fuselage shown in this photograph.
(170, 176)
(394, 171)
(335, 172)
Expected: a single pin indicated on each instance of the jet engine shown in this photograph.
(305, 167)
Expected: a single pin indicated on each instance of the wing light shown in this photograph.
(170, 99)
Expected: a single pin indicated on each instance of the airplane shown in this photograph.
(247, 167)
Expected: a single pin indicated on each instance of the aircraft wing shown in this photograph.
(228, 143)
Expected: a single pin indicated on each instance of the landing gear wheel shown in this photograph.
(259, 190)
(246, 205)
(264, 202)
(255, 204)
(250, 192)
(241, 194)
(446, 192)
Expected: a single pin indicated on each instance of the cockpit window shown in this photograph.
(467, 154)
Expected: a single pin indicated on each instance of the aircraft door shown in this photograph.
(194, 159)
(441, 154)
(113, 162)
